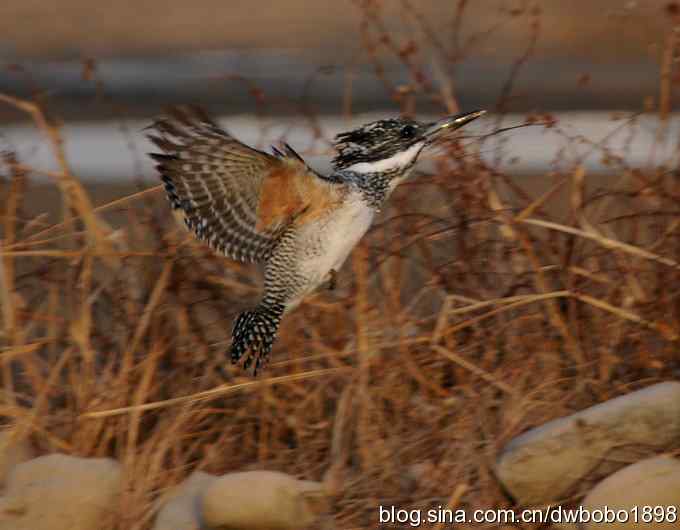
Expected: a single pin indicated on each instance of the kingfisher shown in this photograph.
(274, 209)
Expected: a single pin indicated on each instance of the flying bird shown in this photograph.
(274, 209)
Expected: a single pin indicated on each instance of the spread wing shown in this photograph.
(236, 198)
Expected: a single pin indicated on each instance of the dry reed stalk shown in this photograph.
(27, 423)
(11, 207)
(360, 269)
(459, 360)
(99, 209)
(510, 231)
(666, 80)
(145, 319)
(212, 393)
(605, 242)
(11, 330)
(72, 191)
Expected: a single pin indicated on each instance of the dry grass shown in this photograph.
(454, 328)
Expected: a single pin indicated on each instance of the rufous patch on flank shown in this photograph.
(291, 190)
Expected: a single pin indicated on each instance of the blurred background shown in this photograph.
(587, 55)
(266, 65)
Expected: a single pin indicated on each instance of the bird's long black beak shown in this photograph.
(451, 123)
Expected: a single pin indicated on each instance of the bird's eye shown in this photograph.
(408, 131)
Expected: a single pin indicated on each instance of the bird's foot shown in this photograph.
(332, 280)
(253, 336)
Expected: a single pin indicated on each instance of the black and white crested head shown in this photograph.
(391, 146)
(390, 141)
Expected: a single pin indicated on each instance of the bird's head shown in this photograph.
(391, 147)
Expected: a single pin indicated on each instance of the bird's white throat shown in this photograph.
(396, 161)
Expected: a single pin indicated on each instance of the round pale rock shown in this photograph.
(12, 452)
(59, 492)
(262, 500)
(652, 482)
(180, 509)
(565, 456)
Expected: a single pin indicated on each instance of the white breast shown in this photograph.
(331, 240)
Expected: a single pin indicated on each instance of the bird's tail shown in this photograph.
(255, 332)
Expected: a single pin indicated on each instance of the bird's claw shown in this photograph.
(332, 280)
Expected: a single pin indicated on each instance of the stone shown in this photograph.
(653, 482)
(12, 452)
(60, 492)
(262, 500)
(180, 508)
(567, 456)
